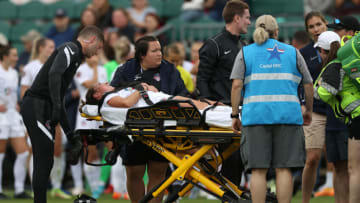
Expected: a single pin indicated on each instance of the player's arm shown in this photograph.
(61, 62)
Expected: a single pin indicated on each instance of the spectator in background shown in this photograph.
(27, 41)
(120, 20)
(152, 24)
(173, 55)
(124, 50)
(300, 39)
(3, 40)
(88, 17)
(214, 9)
(137, 12)
(108, 53)
(61, 32)
(185, 63)
(195, 60)
(103, 12)
(192, 10)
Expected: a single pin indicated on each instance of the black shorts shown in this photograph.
(354, 129)
(336, 142)
(139, 154)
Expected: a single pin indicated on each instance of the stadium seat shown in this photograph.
(158, 5)
(68, 5)
(120, 3)
(7, 10)
(19, 46)
(21, 29)
(79, 7)
(5, 28)
(32, 10)
(172, 8)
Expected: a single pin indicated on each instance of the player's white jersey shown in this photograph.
(30, 71)
(8, 87)
(85, 73)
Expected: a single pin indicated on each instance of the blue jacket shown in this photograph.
(271, 83)
(60, 37)
(170, 80)
(314, 65)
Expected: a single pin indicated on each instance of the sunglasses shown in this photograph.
(338, 22)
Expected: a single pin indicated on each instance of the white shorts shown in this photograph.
(11, 125)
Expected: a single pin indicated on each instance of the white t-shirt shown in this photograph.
(8, 87)
(155, 97)
(30, 71)
(85, 73)
(140, 17)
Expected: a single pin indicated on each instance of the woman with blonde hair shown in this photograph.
(270, 72)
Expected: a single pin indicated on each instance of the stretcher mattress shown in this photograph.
(218, 116)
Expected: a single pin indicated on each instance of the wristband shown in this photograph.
(234, 115)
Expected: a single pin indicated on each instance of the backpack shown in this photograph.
(349, 56)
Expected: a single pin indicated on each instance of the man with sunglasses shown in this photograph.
(345, 26)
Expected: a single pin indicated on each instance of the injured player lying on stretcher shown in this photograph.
(114, 103)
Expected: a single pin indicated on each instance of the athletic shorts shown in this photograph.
(272, 146)
(139, 154)
(315, 132)
(337, 145)
(11, 126)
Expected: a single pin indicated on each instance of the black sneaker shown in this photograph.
(73, 150)
(22, 195)
(85, 198)
(3, 196)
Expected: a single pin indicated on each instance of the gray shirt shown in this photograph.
(238, 71)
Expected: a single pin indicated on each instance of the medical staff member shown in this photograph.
(147, 67)
(11, 124)
(272, 134)
(339, 86)
(42, 108)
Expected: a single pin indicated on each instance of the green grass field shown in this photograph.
(108, 199)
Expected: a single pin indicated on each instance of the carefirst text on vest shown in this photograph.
(276, 65)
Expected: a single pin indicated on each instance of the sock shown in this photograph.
(76, 172)
(105, 170)
(20, 171)
(92, 174)
(118, 176)
(329, 181)
(31, 167)
(1, 163)
(57, 172)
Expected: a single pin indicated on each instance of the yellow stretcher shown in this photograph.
(190, 146)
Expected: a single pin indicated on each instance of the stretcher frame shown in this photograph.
(146, 124)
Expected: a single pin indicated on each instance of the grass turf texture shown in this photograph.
(108, 199)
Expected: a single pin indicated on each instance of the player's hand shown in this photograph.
(73, 148)
(55, 115)
(236, 125)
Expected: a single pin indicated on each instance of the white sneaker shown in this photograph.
(77, 191)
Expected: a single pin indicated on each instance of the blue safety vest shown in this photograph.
(271, 84)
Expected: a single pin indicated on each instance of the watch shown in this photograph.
(234, 115)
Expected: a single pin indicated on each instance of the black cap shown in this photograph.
(60, 13)
(345, 22)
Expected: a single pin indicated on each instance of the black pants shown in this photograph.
(36, 114)
(232, 167)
